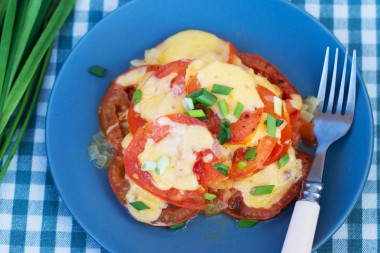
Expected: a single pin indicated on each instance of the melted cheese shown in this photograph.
(180, 145)
(233, 76)
(158, 98)
(155, 204)
(132, 77)
(282, 178)
(263, 81)
(126, 141)
(296, 101)
(190, 44)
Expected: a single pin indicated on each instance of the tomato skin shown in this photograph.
(245, 127)
(264, 149)
(188, 199)
(135, 121)
(232, 52)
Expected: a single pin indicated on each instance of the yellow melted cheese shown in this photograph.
(127, 139)
(233, 76)
(190, 44)
(132, 77)
(158, 99)
(154, 203)
(180, 145)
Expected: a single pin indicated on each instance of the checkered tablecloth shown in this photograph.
(32, 216)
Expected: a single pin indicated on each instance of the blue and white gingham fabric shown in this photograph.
(32, 215)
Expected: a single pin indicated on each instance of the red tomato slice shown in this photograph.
(135, 121)
(232, 53)
(183, 198)
(245, 127)
(264, 149)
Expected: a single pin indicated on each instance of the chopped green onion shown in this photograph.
(143, 127)
(223, 108)
(98, 71)
(225, 123)
(250, 154)
(221, 168)
(188, 104)
(206, 98)
(196, 93)
(197, 113)
(283, 160)
(247, 223)
(238, 109)
(261, 190)
(162, 165)
(241, 165)
(271, 125)
(277, 105)
(148, 165)
(221, 89)
(224, 133)
(138, 205)
(137, 97)
(278, 122)
(209, 196)
(178, 226)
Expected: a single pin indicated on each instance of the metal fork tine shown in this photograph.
(333, 84)
(323, 83)
(342, 86)
(352, 87)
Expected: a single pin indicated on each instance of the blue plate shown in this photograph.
(288, 37)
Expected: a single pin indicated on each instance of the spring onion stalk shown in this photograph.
(3, 6)
(278, 122)
(162, 164)
(261, 190)
(98, 71)
(250, 154)
(33, 60)
(247, 223)
(178, 226)
(137, 96)
(206, 98)
(283, 160)
(138, 205)
(221, 89)
(238, 110)
(221, 168)
(196, 93)
(197, 113)
(241, 165)
(224, 133)
(148, 165)
(277, 105)
(209, 196)
(271, 125)
(223, 108)
(188, 104)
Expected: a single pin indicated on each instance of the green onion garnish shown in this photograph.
(241, 165)
(261, 190)
(271, 125)
(196, 93)
(224, 133)
(178, 226)
(221, 168)
(283, 160)
(137, 97)
(247, 223)
(278, 122)
(250, 154)
(206, 98)
(188, 104)
(209, 196)
(277, 106)
(221, 89)
(162, 165)
(148, 165)
(223, 108)
(197, 113)
(225, 123)
(98, 71)
(238, 110)
(138, 205)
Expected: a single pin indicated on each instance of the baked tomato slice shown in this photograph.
(116, 102)
(177, 87)
(164, 129)
(245, 126)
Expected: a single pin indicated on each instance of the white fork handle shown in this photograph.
(300, 235)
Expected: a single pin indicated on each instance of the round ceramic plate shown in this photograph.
(286, 36)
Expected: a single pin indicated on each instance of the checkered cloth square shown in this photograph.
(34, 219)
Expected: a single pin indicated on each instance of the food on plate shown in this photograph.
(196, 125)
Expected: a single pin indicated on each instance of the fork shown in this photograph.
(329, 126)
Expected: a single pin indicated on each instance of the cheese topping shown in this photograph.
(263, 81)
(155, 204)
(126, 141)
(180, 146)
(190, 44)
(296, 101)
(132, 77)
(233, 76)
(158, 98)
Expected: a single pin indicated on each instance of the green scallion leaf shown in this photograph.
(271, 125)
(206, 98)
(223, 108)
(278, 122)
(224, 133)
(241, 165)
(98, 71)
(221, 168)
(209, 196)
(178, 226)
(277, 105)
(283, 160)
(162, 165)
(148, 165)
(137, 96)
(221, 89)
(250, 154)
(197, 113)
(138, 205)
(261, 190)
(196, 93)
(238, 109)
(225, 123)
(247, 223)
